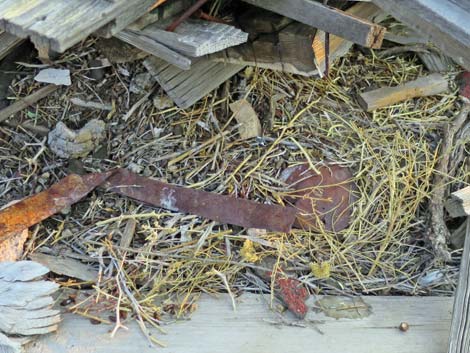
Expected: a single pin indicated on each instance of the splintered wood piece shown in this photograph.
(458, 204)
(328, 19)
(155, 48)
(247, 117)
(24, 302)
(11, 248)
(66, 266)
(386, 96)
(197, 38)
(186, 87)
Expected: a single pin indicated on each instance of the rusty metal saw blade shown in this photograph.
(36, 208)
(216, 207)
(325, 197)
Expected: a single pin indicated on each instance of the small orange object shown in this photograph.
(157, 3)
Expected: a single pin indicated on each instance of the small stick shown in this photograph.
(185, 15)
(26, 102)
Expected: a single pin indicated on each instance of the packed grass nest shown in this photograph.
(174, 257)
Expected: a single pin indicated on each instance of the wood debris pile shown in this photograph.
(295, 147)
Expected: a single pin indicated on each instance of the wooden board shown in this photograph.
(137, 14)
(328, 19)
(459, 341)
(155, 48)
(59, 24)
(187, 87)
(215, 327)
(196, 37)
(445, 22)
(421, 87)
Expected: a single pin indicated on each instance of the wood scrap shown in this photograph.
(246, 116)
(25, 303)
(444, 22)
(155, 48)
(186, 87)
(26, 102)
(328, 19)
(89, 104)
(66, 266)
(197, 38)
(386, 96)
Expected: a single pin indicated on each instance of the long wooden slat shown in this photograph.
(197, 38)
(459, 341)
(445, 22)
(328, 19)
(253, 327)
(155, 48)
(187, 87)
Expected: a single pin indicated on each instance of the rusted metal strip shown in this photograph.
(36, 208)
(185, 15)
(216, 207)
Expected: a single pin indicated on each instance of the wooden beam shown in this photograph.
(385, 96)
(254, 327)
(186, 87)
(328, 19)
(340, 46)
(445, 22)
(155, 48)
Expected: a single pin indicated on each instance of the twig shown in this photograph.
(26, 102)
(417, 48)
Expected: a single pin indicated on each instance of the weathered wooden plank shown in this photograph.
(385, 96)
(445, 22)
(459, 341)
(155, 48)
(59, 24)
(187, 87)
(215, 327)
(7, 43)
(196, 37)
(328, 19)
